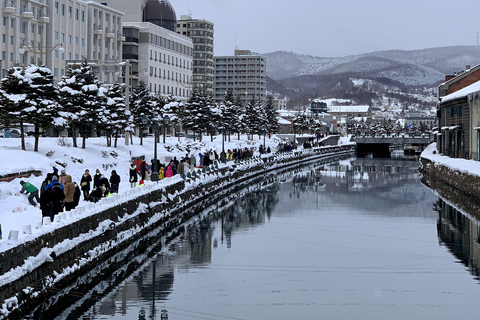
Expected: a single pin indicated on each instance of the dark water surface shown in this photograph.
(341, 241)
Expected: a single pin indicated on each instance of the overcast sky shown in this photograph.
(335, 28)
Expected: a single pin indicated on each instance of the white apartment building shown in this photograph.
(161, 58)
(244, 74)
(201, 33)
(58, 32)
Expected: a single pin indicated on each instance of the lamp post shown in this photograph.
(156, 128)
(23, 48)
(166, 122)
(127, 96)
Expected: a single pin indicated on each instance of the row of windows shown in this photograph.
(166, 75)
(60, 9)
(170, 44)
(182, 63)
(169, 90)
(196, 25)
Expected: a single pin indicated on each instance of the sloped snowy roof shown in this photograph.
(283, 121)
(474, 87)
(348, 109)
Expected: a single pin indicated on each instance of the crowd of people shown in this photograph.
(59, 192)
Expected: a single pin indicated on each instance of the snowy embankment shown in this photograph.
(470, 167)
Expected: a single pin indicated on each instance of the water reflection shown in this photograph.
(317, 229)
(460, 233)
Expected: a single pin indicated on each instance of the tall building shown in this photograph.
(201, 33)
(160, 58)
(244, 74)
(58, 32)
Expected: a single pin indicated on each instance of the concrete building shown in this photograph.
(201, 33)
(244, 74)
(58, 32)
(161, 58)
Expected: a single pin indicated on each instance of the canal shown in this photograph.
(351, 239)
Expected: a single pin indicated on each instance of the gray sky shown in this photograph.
(336, 28)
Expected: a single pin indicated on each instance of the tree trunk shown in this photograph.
(84, 141)
(22, 135)
(116, 139)
(141, 139)
(37, 138)
(74, 139)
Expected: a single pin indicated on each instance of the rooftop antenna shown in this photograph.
(189, 12)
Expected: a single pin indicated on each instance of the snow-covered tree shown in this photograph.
(14, 108)
(271, 116)
(42, 98)
(82, 99)
(115, 118)
(196, 114)
(143, 106)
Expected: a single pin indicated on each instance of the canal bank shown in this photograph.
(73, 249)
(455, 180)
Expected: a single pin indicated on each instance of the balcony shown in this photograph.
(26, 15)
(44, 20)
(109, 35)
(98, 31)
(8, 10)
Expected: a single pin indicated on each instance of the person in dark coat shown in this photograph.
(133, 176)
(55, 173)
(104, 185)
(95, 195)
(45, 183)
(76, 195)
(96, 179)
(143, 169)
(85, 184)
(114, 182)
(57, 198)
(46, 202)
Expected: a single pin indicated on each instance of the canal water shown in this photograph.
(359, 239)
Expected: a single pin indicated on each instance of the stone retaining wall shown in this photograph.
(459, 188)
(112, 229)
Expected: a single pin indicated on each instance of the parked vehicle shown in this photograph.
(10, 133)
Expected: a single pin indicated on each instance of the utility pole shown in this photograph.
(127, 97)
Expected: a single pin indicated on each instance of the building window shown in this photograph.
(76, 14)
(63, 9)
(56, 7)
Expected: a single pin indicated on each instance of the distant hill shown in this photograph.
(369, 77)
(425, 67)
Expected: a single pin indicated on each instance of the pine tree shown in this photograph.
(196, 113)
(142, 106)
(116, 118)
(44, 111)
(272, 116)
(15, 109)
(82, 99)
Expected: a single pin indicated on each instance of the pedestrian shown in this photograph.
(114, 182)
(96, 194)
(161, 174)
(133, 175)
(193, 162)
(45, 183)
(76, 195)
(85, 184)
(69, 191)
(56, 200)
(104, 185)
(55, 173)
(61, 177)
(169, 172)
(180, 167)
(96, 179)
(143, 169)
(30, 189)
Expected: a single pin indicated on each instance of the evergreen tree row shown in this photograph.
(80, 105)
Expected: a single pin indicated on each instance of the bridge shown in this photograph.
(381, 146)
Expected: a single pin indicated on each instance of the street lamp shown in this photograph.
(166, 122)
(156, 128)
(23, 48)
